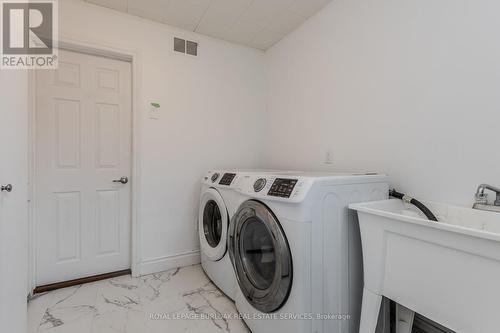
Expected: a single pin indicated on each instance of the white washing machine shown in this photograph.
(296, 250)
(217, 204)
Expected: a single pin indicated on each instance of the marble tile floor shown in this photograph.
(178, 300)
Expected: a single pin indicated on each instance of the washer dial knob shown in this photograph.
(215, 176)
(259, 184)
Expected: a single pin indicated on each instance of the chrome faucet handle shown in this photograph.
(481, 198)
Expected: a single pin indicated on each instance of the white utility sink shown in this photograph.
(448, 271)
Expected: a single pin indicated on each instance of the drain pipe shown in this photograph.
(427, 212)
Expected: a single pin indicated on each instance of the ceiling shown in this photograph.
(255, 23)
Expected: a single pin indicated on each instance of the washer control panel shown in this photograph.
(282, 187)
(227, 179)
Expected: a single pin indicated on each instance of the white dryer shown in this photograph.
(296, 250)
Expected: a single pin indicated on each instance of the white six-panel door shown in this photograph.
(82, 144)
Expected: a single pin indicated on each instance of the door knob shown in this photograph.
(123, 180)
(6, 188)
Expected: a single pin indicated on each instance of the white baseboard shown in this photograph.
(165, 263)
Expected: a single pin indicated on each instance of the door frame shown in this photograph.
(117, 52)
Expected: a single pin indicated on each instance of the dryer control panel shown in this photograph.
(275, 187)
(282, 187)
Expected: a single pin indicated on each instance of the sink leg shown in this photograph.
(369, 311)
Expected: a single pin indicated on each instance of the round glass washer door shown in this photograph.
(261, 256)
(213, 224)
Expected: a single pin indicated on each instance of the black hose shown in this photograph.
(418, 204)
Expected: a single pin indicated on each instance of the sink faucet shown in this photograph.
(482, 198)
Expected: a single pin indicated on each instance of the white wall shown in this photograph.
(409, 88)
(212, 108)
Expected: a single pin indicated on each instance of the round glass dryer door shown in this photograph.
(261, 256)
(213, 225)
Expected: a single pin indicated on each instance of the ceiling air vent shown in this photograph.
(185, 46)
